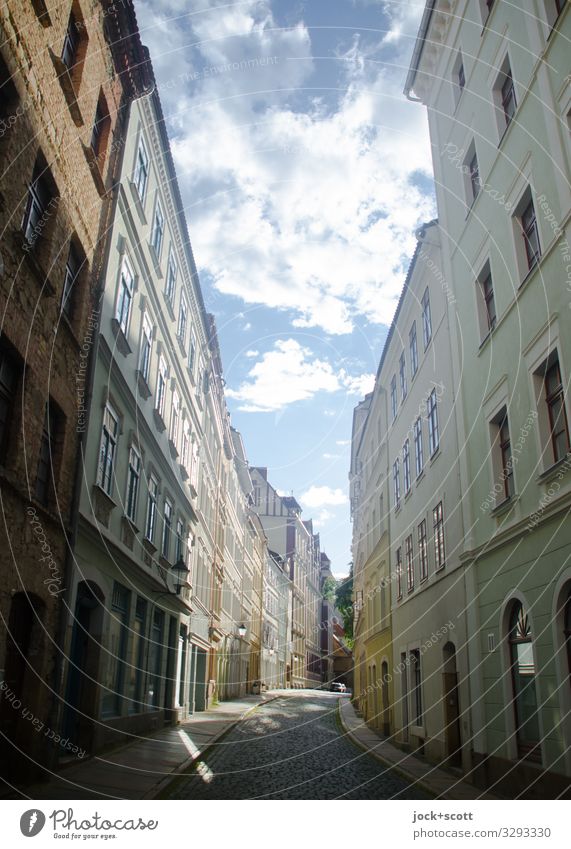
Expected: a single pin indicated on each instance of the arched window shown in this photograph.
(523, 683)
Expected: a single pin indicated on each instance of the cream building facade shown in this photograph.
(497, 87)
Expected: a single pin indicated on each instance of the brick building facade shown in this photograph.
(67, 72)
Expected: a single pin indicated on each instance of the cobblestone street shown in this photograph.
(291, 748)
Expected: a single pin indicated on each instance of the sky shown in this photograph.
(304, 173)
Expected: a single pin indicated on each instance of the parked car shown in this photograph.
(338, 687)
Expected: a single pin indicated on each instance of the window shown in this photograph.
(175, 418)
(40, 200)
(438, 520)
(141, 173)
(555, 400)
(133, 480)
(9, 374)
(394, 397)
(413, 345)
(409, 563)
(402, 371)
(474, 171)
(506, 456)
(158, 230)
(423, 550)
(522, 666)
(136, 667)
(146, 348)
(399, 572)
(432, 418)
(151, 508)
(486, 302)
(185, 452)
(182, 319)
(167, 529)
(179, 541)
(109, 435)
(72, 269)
(426, 319)
(406, 466)
(396, 483)
(161, 387)
(125, 296)
(553, 9)
(170, 285)
(418, 453)
(416, 685)
(44, 473)
(192, 352)
(509, 104)
(114, 669)
(458, 79)
(530, 234)
(71, 42)
(461, 78)
(100, 129)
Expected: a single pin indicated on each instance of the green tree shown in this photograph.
(329, 590)
(344, 604)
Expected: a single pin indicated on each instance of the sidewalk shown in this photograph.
(140, 770)
(436, 780)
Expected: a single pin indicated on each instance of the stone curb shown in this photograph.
(181, 768)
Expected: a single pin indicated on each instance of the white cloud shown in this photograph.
(251, 354)
(322, 518)
(284, 375)
(291, 373)
(323, 496)
(327, 456)
(343, 442)
(358, 384)
(317, 206)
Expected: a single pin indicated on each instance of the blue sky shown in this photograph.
(304, 172)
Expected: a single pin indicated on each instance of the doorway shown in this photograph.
(451, 706)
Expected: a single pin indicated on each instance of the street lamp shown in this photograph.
(181, 570)
(242, 630)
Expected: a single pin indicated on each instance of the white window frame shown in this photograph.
(109, 440)
(158, 229)
(125, 289)
(426, 319)
(141, 170)
(146, 347)
(432, 419)
(162, 379)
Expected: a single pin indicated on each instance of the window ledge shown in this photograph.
(434, 456)
(120, 338)
(556, 470)
(33, 262)
(138, 202)
(183, 472)
(398, 509)
(131, 524)
(66, 83)
(408, 494)
(103, 505)
(173, 449)
(440, 569)
(156, 260)
(144, 389)
(420, 476)
(181, 345)
(42, 13)
(149, 546)
(530, 272)
(159, 421)
(191, 376)
(504, 506)
(170, 307)
(92, 161)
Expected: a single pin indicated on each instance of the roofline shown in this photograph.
(418, 46)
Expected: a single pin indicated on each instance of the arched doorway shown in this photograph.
(451, 702)
(522, 665)
(24, 677)
(82, 707)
